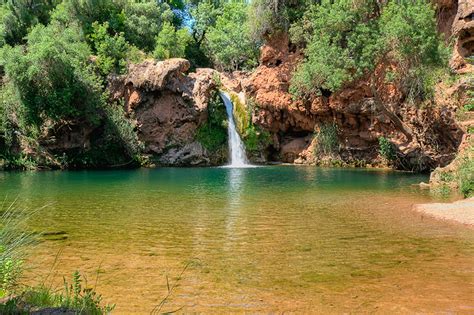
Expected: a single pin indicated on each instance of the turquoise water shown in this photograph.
(277, 238)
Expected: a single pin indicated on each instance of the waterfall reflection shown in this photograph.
(235, 187)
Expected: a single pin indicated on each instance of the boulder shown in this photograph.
(169, 107)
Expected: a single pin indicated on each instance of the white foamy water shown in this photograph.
(237, 155)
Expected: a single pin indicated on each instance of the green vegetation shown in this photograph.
(14, 241)
(213, 134)
(466, 173)
(58, 55)
(387, 149)
(327, 142)
(255, 138)
(76, 296)
(459, 175)
(171, 43)
(228, 42)
(345, 41)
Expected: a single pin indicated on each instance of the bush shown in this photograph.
(53, 77)
(171, 43)
(255, 139)
(386, 149)
(213, 134)
(111, 51)
(346, 41)
(144, 21)
(466, 174)
(327, 142)
(228, 42)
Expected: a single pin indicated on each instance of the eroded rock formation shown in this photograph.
(169, 106)
(425, 136)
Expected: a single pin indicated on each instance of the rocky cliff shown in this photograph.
(169, 106)
(424, 136)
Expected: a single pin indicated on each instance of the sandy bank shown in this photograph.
(461, 211)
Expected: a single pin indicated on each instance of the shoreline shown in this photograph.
(461, 211)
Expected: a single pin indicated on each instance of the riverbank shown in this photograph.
(461, 211)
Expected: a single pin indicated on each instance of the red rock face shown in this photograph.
(433, 133)
(463, 32)
(168, 106)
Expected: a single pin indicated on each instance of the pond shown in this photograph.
(276, 238)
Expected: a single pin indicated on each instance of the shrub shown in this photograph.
(466, 174)
(213, 134)
(76, 297)
(53, 76)
(327, 141)
(386, 149)
(171, 43)
(255, 139)
(121, 130)
(228, 42)
(111, 51)
(143, 22)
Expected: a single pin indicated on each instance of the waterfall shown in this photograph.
(237, 155)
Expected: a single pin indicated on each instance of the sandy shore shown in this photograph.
(461, 211)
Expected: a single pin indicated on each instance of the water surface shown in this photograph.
(278, 238)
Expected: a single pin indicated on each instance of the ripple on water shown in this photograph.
(261, 239)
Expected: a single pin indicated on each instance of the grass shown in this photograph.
(13, 242)
(15, 239)
(326, 137)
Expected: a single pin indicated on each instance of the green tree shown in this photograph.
(143, 22)
(17, 16)
(228, 43)
(409, 37)
(343, 45)
(204, 16)
(171, 43)
(53, 75)
(86, 12)
(111, 50)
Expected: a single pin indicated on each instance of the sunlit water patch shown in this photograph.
(264, 239)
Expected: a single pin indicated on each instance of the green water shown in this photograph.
(265, 239)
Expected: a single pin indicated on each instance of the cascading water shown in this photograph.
(237, 155)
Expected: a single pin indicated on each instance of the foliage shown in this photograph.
(13, 241)
(466, 174)
(255, 139)
(386, 149)
(53, 77)
(342, 46)
(121, 130)
(346, 40)
(213, 134)
(17, 16)
(228, 42)
(76, 297)
(171, 43)
(144, 21)
(86, 12)
(326, 138)
(204, 16)
(111, 51)
(269, 17)
(409, 36)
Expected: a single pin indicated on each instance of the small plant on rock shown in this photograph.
(327, 142)
(386, 149)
